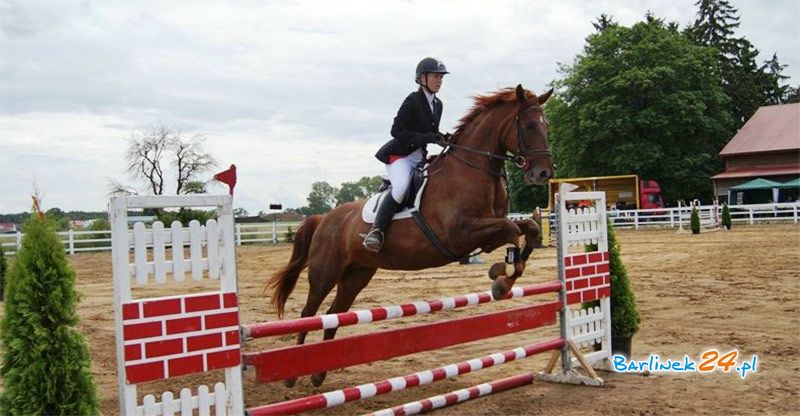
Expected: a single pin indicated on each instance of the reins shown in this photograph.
(519, 159)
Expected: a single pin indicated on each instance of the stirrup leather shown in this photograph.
(373, 241)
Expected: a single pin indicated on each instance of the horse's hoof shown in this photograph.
(289, 382)
(317, 379)
(501, 286)
(497, 269)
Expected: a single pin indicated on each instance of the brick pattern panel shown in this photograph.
(179, 335)
(587, 277)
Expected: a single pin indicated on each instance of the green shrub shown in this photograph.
(99, 224)
(3, 268)
(289, 235)
(184, 216)
(695, 221)
(46, 367)
(726, 217)
(625, 316)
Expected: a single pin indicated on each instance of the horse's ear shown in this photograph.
(543, 98)
(523, 102)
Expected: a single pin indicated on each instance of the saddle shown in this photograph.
(411, 202)
(409, 209)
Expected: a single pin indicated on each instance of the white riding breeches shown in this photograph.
(400, 174)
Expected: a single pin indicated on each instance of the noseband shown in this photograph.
(519, 159)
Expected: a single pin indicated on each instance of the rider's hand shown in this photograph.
(437, 138)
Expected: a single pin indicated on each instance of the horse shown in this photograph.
(508, 121)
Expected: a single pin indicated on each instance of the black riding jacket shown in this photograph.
(412, 126)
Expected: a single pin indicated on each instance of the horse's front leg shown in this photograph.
(493, 233)
(532, 232)
(498, 272)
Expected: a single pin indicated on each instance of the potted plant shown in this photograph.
(625, 317)
(695, 221)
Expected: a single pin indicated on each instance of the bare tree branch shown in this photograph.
(190, 160)
(144, 156)
(149, 150)
(116, 188)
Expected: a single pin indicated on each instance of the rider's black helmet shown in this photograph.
(430, 65)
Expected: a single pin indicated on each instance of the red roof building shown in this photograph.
(767, 146)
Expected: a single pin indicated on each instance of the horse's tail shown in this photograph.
(284, 280)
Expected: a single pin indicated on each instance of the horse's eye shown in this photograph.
(530, 126)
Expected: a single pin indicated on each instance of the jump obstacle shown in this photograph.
(166, 337)
(712, 223)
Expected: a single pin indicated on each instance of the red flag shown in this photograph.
(228, 177)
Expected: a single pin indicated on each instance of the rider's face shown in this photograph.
(432, 81)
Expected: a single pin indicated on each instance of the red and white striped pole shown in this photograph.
(313, 323)
(364, 391)
(458, 396)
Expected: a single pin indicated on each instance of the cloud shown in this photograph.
(292, 92)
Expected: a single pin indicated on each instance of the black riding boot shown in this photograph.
(373, 241)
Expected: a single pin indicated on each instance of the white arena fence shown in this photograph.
(269, 232)
(84, 241)
(788, 212)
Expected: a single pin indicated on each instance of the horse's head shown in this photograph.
(529, 143)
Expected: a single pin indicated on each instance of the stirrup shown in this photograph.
(374, 237)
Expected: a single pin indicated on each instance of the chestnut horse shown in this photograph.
(510, 121)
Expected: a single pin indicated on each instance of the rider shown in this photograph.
(416, 125)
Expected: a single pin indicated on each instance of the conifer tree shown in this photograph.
(695, 221)
(46, 367)
(746, 84)
(625, 316)
(726, 217)
(3, 268)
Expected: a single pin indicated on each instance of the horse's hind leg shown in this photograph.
(321, 281)
(354, 279)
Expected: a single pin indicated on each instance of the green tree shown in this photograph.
(361, 189)
(184, 216)
(643, 100)
(322, 198)
(46, 366)
(100, 224)
(59, 218)
(793, 94)
(747, 85)
(524, 198)
(774, 90)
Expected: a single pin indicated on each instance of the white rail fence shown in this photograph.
(680, 216)
(83, 241)
(268, 232)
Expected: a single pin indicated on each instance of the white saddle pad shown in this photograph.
(371, 207)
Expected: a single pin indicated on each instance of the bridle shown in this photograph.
(519, 158)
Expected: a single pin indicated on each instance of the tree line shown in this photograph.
(660, 102)
(651, 99)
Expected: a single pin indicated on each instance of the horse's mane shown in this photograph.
(488, 101)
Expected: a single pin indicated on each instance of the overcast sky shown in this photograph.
(292, 92)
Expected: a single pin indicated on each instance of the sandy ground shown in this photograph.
(735, 290)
